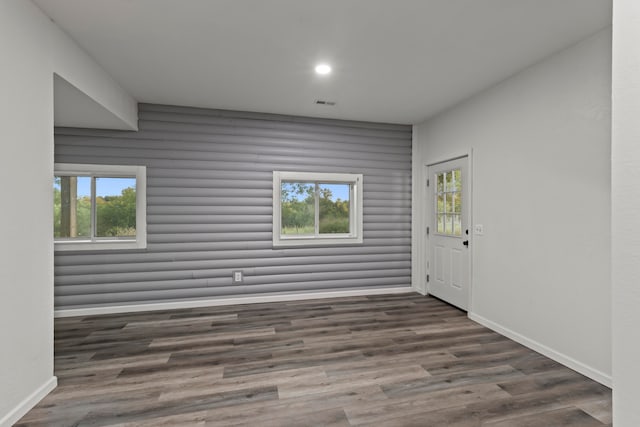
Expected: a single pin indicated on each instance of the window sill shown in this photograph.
(293, 242)
(99, 245)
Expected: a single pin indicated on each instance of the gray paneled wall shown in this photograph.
(209, 197)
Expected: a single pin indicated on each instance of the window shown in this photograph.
(99, 207)
(449, 203)
(316, 209)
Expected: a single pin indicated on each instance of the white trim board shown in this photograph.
(561, 358)
(418, 282)
(172, 305)
(28, 403)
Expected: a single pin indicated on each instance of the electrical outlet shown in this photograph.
(237, 277)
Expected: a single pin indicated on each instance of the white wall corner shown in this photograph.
(28, 403)
(625, 208)
(417, 217)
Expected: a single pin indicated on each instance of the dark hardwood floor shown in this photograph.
(391, 360)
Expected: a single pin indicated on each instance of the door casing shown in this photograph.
(426, 219)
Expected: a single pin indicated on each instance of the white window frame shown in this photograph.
(354, 237)
(110, 171)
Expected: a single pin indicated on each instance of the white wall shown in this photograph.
(625, 170)
(541, 188)
(32, 48)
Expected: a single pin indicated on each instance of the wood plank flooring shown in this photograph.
(389, 360)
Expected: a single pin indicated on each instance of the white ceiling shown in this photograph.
(397, 61)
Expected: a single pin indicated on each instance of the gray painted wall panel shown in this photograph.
(70, 271)
(209, 184)
(137, 257)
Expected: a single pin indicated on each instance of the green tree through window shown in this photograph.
(115, 213)
(298, 205)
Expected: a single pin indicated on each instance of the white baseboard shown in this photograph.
(32, 400)
(92, 311)
(567, 361)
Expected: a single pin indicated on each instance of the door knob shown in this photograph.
(466, 243)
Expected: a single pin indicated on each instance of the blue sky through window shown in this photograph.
(338, 191)
(113, 186)
(104, 186)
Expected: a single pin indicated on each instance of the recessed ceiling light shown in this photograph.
(323, 69)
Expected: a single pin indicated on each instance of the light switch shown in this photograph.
(478, 229)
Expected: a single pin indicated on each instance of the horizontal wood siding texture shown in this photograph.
(209, 197)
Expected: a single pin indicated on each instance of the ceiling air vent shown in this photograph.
(322, 102)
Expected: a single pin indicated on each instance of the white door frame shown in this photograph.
(423, 217)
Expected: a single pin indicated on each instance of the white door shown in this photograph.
(448, 267)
